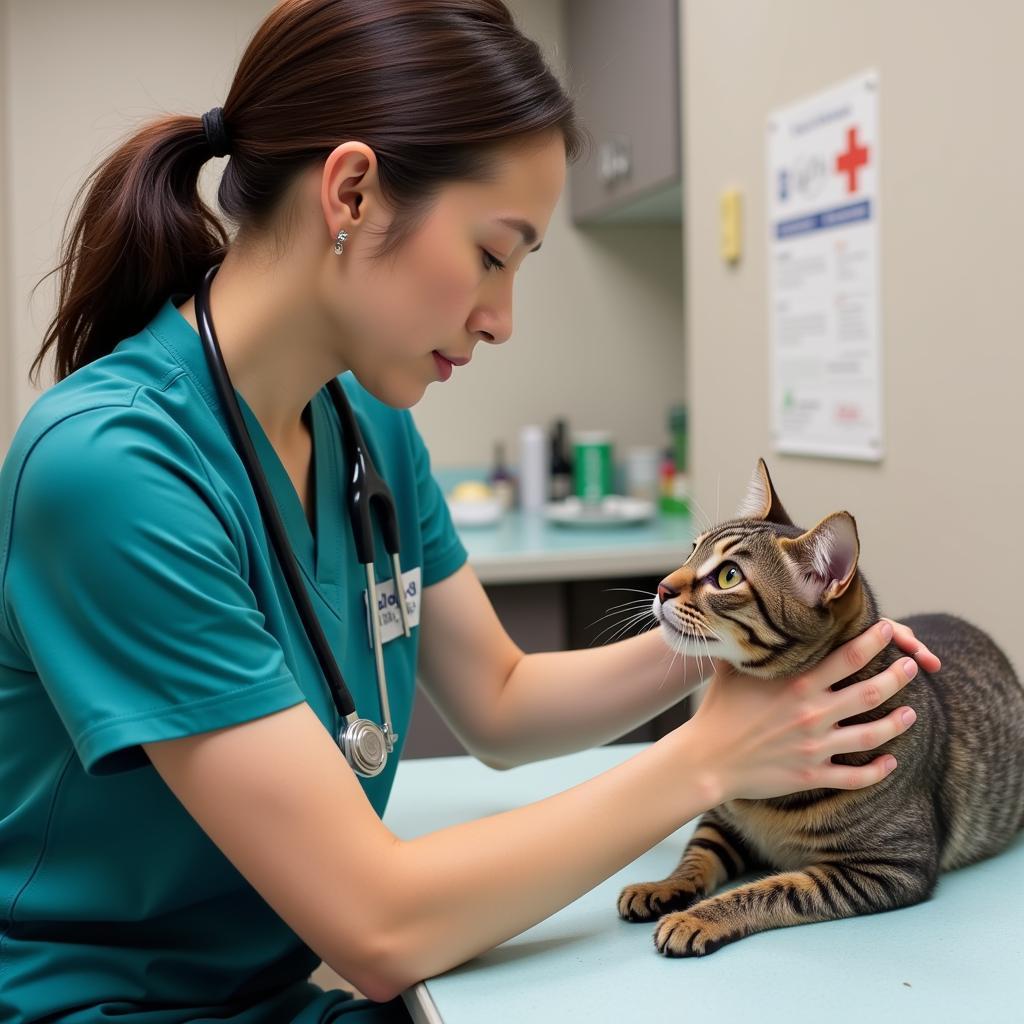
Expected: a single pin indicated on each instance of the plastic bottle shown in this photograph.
(501, 480)
(561, 467)
(533, 469)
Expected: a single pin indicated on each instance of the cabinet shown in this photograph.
(623, 71)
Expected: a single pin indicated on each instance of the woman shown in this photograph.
(183, 839)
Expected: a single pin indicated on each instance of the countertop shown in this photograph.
(957, 957)
(524, 547)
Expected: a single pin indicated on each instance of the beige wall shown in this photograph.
(79, 77)
(598, 313)
(6, 384)
(939, 517)
(597, 330)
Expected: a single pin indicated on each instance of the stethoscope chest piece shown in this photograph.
(363, 743)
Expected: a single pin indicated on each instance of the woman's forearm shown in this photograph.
(562, 701)
(460, 891)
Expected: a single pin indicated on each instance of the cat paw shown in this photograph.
(646, 901)
(685, 934)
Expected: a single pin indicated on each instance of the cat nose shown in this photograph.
(665, 592)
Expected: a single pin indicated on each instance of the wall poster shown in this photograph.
(823, 259)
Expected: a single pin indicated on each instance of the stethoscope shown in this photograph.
(364, 743)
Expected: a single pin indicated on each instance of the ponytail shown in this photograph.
(142, 232)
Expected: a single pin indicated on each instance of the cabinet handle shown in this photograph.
(614, 160)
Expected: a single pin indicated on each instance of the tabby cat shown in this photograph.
(773, 600)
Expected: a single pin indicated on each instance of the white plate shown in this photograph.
(614, 510)
(484, 512)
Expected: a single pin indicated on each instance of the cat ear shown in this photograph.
(761, 501)
(824, 559)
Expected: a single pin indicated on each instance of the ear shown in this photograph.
(824, 560)
(761, 501)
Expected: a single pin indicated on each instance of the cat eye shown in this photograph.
(729, 575)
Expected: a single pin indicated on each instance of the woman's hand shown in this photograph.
(904, 639)
(761, 738)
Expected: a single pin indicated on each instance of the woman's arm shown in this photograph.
(277, 797)
(561, 701)
(510, 708)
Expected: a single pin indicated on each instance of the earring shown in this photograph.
(339, 243)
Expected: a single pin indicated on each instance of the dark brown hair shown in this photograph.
(436, 88)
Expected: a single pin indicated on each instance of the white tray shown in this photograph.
(614, 510)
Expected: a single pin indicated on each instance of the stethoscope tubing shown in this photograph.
(366, 487)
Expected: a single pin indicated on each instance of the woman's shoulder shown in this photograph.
(89, 440)
(86, 419)
(85, 471)
(109, 389)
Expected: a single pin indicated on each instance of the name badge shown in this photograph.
(388, 615)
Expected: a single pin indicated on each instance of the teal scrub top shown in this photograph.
(140, 600)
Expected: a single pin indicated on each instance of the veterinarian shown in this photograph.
(199, 720)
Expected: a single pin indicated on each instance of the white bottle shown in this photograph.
(533, 469)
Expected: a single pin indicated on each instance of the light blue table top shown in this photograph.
(958, 957)
(525, 547)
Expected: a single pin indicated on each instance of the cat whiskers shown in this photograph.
(643, 608)
(626, 626)
(680, 645)
(699, 630)
(695, 620)
(681, 640)
(648, 596)
(630, 590)
(619, 610)
(708, 524)
(635, 611)
(633, 603)
(711, 660)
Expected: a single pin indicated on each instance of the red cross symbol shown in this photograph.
(854, 157)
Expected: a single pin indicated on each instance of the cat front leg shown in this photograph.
(714, 855)
(821, 892)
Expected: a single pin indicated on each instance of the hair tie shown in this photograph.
(216, 134)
